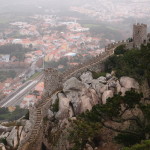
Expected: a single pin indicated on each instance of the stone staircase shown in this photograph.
(35, 134)
(38, 123)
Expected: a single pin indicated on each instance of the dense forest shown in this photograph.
(134, 63)
(14, 50)
(7, 74)
(6, 115)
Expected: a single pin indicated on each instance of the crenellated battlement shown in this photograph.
(52, 81)
(139, 35)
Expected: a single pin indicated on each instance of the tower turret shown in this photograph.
(139, 35)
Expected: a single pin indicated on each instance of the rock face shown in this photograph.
(102, 80)
(64, 107)
(79, 96)
(118, 86)
(106, 95)
(86, 77)
(12, 138)
(50, 115)
(129, 83)
(72, 84)
(5, 129)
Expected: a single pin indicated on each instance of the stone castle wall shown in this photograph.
(53, 82)
(95, 64)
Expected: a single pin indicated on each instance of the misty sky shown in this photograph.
(34, 5)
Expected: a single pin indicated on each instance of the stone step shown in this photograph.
(36, 126)
(39, 116)
(34, 132)
(38, 111)
(38, 122)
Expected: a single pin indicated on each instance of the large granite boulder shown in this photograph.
(103, 89)
(86, 77)
(95, 98)
(4, 135)
(75, 100)
(72, 84)
(5, 129)
(20, 131)
(129, 83)
(118, 86)
(88, 147)
(78, 96)
(102, 80)
(96, 84)
(108, 76)
(63, 107)
(124, 90)
(11, 139)
(2, 146)
(107, 94)
(50, 115)
(23, 135)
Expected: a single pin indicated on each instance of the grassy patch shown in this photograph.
(6, 115)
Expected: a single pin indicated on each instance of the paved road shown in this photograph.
(16, 97)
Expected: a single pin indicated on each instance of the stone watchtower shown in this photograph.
(52, 81)
(139, 35)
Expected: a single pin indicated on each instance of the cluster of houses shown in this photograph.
(47, 44)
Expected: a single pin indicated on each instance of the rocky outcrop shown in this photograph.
(86, 77)
(73, 84)
(11, 139)
(5, 129)
(129, 83)
(64, 107)
(77, 96)
(81, 94)
(14, 134)
(106, 95)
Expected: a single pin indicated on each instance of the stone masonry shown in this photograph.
(139, 35)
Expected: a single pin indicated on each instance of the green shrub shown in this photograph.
(88, 125)
(133, 63)
(98, 74)
(55, 106)
(128, 139)
(3, 140)
(145, 145)
(83, 132)
(5, 115)
(120, 50)
(27, 116)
